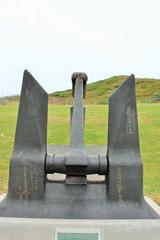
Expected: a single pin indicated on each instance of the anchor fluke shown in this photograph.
(125, 176)
(27, 161)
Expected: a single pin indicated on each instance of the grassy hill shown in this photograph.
(148, 90)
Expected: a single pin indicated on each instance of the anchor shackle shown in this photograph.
(79, 76)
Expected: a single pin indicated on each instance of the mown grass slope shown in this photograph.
(95, 133)
(148, 90)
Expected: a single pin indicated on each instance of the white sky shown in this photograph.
(53, 38)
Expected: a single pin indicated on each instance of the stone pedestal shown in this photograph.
(40, 229)
(57, 229)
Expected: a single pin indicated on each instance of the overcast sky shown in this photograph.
(53, 38)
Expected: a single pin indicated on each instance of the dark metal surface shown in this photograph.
(76, 162)
(31, 194)
(125, 176)
(27, 172)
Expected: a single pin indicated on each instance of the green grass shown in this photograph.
(95, 133)
(99, 92)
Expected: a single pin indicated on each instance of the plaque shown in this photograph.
(72, 234)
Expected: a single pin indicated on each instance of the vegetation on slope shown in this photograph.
(147, 89)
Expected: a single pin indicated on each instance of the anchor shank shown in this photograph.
(77, 121)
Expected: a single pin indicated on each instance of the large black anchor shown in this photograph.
(119, 196)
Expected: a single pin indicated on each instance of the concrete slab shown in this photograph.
(153, 204)
(2, 196)
(40, 229)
